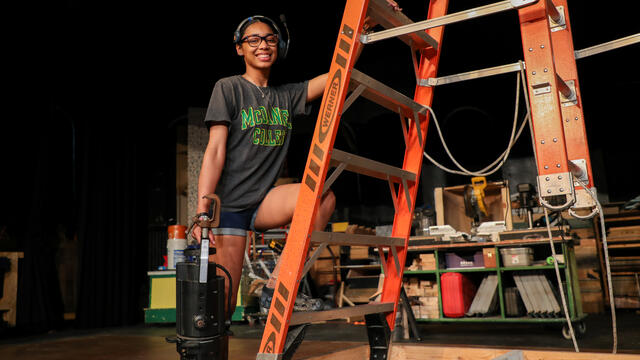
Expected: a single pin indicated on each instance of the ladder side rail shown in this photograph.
(294, 255)
(572, 114)
(554, 177)
(413, 159)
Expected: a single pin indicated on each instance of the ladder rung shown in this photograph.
(369, 167)
(383, 14)
(385, 96)
(334, 238)
(305, 317)
(611, 45)
(446, 19)
(471, 75)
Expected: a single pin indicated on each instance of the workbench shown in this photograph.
(541, 249)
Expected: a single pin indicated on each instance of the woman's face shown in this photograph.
(265, 53)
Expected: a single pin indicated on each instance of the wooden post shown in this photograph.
(10, 290)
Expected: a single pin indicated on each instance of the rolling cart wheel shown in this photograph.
(579, 327)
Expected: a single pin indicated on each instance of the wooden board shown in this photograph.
(10, 290)
(420, 352)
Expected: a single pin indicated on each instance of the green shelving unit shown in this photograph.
(568, 271)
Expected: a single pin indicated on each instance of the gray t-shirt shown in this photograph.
(260, 122)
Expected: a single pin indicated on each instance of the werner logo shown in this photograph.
(330, 108)
(330, 105)
(270, 345)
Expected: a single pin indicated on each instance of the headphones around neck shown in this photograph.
(283, 46)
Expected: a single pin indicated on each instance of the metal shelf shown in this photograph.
(533, 267)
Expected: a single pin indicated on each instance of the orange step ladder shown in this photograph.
(558, 129)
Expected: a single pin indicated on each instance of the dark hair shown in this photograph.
(254, 20)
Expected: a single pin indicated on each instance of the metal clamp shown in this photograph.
(553, 185)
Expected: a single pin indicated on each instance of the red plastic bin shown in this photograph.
(457, 294)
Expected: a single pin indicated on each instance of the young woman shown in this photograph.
(250, 126)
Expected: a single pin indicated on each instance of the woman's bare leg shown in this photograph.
(277, 209)
(230, 254)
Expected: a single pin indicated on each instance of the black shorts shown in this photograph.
(236, 223)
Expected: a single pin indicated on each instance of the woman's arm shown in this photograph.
(315, 87)
(212, 165)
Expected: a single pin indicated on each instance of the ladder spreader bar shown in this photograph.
(304, 317)
(446, 19)
(335, 238)
(361, 165)
(388, 18)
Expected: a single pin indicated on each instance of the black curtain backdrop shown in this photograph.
(111, 226)
(39, 306)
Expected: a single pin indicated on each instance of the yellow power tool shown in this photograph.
(474, 199)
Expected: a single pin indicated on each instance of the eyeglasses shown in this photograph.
(255, 40)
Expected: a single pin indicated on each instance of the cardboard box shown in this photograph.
(489, 255)
(450, 209)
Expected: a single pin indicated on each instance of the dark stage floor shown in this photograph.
(147, 341)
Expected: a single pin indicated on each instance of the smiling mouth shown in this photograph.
(264, 57)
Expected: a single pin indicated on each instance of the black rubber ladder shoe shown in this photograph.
(296, 333)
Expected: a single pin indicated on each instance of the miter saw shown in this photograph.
(474, 204)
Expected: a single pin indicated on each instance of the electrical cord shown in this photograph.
(607, 267)
(515, 135)
(605, 250)
(229, 310)
(557, 269)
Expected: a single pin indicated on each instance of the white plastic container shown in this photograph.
(522, 256)
(176, 243)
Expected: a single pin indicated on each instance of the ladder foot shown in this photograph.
(295, 335)
(379, 336)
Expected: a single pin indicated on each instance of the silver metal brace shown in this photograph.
(555, 184)
(394, 197)
(263, 356)
(567, 91)
(352, 97)
(313, 258)
(558, 184)
(204, 257)
(610, 45)
(446, 20)
(332, 178)
(475, 74)
(557, 20)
